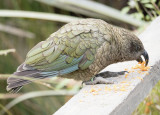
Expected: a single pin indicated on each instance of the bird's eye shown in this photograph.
(134, 47)
(138, 47)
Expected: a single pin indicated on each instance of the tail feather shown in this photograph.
(15, 84)
(15, 90)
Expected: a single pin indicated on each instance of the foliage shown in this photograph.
(93, 9)
(151, 105)
(143, 9)
(5, 52)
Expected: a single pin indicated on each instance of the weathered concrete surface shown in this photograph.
(123, 97)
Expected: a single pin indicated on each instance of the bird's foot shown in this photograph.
(101, 78)
(108, 74)
(98, 80)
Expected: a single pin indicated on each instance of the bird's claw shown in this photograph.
(99, 80)
(122, 72)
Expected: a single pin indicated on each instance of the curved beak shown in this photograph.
(146, 57)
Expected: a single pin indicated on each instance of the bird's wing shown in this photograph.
(65, 51)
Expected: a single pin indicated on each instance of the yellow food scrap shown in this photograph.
(127, 84)
(142, 66)
(107, 89)
(126, 69)
(129, 71)
(95, 93)
(126, 76)
(140, 78)
(123, 86)
(136, 67)
(145, 69)
(93, 90)
(80, 101)
(115, 88)
(123, 82)
(85, 91)
(123, 89)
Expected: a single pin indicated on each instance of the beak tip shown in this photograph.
(146, 63)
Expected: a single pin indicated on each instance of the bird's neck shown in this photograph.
(118, 46)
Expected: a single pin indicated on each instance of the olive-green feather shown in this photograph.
(64, 48)
(86, 64)
(34, 59)
(69, 59)
(54, 56)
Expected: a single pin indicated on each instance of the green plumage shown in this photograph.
(73, 41)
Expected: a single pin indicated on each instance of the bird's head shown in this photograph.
(134, 49)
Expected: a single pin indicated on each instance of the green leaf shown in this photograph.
(148, 17)
(145, 1)
(34, 94)
(93, 9)
(149, 6)
(5, 52)
(62, 84)
(153, 1)
(125, 10)
(37, 15)
(158, 12)
(138, 15)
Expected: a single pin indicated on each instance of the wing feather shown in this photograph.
(63, 52)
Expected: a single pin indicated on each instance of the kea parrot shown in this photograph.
(79, 50)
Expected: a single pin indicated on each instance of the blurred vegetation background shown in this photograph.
(19, 32)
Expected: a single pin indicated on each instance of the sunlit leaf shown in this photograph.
(87, 7)
(37, 15)
(138, 15)
(34, 95)
(62, 84)
(5, 52)
(149, 6)
(125, 10)
(145, 1)
(153, 1)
